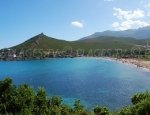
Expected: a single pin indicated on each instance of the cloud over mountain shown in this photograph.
(128, 19)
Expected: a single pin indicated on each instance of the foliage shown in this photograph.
(140, 97)
(141, 105)
(23, 100)
(101, 111)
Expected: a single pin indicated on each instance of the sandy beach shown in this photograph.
(137, 62)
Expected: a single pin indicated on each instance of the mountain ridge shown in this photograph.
(42, 41)
(140, 33)
(42, 46)
(97, 40)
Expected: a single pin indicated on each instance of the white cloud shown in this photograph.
(77, 24)
(115, 24)
(129, 24)
(128, 14)
(128, 19)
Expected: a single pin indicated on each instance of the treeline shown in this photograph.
(24, 100)
(14, 54)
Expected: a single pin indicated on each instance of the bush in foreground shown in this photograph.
(23, 100)
(141, 105)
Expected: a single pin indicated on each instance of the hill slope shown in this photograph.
(42, 46)
(42, 41)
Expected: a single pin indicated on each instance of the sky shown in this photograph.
(68, 19)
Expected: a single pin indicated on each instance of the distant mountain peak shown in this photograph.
(140, 33)
(41, 35)
(42, 41)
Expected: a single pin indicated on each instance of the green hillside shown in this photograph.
(42, 41)
(107, 42)
(42, 46)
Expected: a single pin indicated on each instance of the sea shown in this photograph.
(94, 81)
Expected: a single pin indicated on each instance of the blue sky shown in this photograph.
(68, 19)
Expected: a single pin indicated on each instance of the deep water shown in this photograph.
(95, 81)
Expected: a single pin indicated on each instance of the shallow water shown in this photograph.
(95, 81)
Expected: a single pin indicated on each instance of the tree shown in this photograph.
(141, 105)
(55, 101)
(137, 98)
(143, 108)
(101, 111)
(54, 104)
(7, 89)
(79, 108)
(40, 103)
(25, 99)
(66, 110)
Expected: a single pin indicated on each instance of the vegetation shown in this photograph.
(23, 100)
(42, 46)
(141, 105)
(42, 41)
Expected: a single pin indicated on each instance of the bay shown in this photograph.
(95, 81)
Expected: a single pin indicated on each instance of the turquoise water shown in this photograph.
(94, 81)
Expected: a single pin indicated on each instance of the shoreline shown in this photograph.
(139, 63)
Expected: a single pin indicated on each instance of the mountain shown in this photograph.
(100, 40)
(108, 42)
(42, 41)
(34, 47)
(140, 33)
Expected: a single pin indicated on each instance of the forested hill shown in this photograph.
(42, 41)
(42, 46)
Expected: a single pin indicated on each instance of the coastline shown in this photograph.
(139, 63)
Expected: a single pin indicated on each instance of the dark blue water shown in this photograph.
(93, 81)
